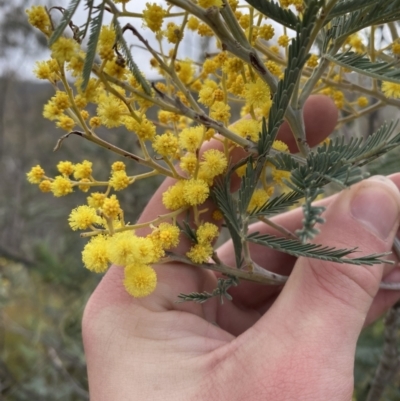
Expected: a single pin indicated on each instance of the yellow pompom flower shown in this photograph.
(204, 30)
(83, 170)
(173, 33)
(206, 94)
(61, 100)
(190, 138)
(200, 253)
(64, 49)
(95, 122)
(115, 69)
(140, 280)
(111, 207)
(66, 123)
(279, 175)
(206, 233)
(193, 23)
(221, 111)
(173, 198)
(273, 68)
(94, 254)
(185, 71)
(51, 111)
(244, 21)
(84, 184)
(110, 110)
(84, 114)
(362, 101)
(390, 89)
(166, 235)
(214, 163)
(76, 64)
(259, 198)
(266, 32)
(61, 186)
(283, 41)
(209, 67)
(118, 166)
(247, 129)
(65, 168)
(166, 144)
(153, 16)
(145, 130)
(279, 145)
(80, 101)
(96, 200)
(195, 191)
(119, 180)
(257, 93)
(217, 215)
(45, 186)
(107, 36)
(121, 248)
(125, 248)
(83, 217)
(210, 3)
(38, 17)
(35, 175)
(188, 163)
(312, 62)
(396, 48)
(42, 70)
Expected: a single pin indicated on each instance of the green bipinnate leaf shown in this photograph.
(363, 65)
(95, 28)
(66, 19)
(274, 11)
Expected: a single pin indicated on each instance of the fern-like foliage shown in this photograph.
(134, 69)
(297, 57)
(228, 207)
(221, 291)
(312, 216)
(278, 204)
(361, 151)
(188, 230)
(346, 6)
(89, 5)
(363, 65)
(95, 28)
(65, 20)
(272, 10)
(382, 12)
(316, 251)
(248, 185)
(338, 162)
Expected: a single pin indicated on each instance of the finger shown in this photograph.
(258, 296)
(320, 118)
(327, 303)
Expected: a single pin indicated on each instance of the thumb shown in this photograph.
(340, 295)
(323, 305)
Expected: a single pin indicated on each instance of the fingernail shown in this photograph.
(375, 207)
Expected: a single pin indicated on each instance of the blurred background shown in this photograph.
(43, 286)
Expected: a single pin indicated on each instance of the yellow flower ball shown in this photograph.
(140, 280)
(94, 254)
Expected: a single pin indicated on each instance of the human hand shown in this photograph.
(268, 343)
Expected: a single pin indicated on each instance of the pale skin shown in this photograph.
(270, 343)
